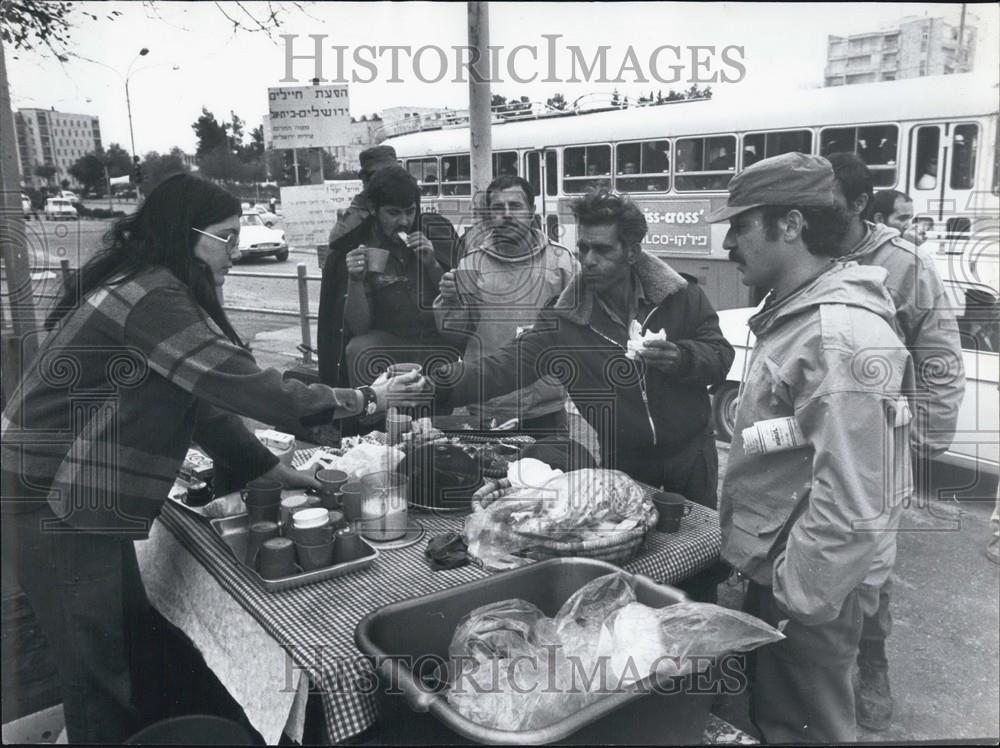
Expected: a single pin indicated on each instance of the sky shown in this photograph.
(195, 58)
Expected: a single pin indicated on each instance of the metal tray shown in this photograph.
(234, 530)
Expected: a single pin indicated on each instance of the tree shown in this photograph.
(557, 101)
(45, 171)
(88, 170)
(118, 160)
(155, 168)
(27, 23)
(209, 133)
(256, 146)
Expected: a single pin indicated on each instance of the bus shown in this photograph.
(934, 138)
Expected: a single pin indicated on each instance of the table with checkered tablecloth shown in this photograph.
(315, 624)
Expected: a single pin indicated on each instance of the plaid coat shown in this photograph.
(105, 413)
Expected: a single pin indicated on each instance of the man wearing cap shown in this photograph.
(818, 466)
(926, 324)
(371, 159)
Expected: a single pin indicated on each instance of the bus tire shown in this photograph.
(724, 403)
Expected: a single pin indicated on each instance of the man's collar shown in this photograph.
(656, 281)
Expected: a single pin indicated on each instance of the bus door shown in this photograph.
(541, 171)
(942, 180)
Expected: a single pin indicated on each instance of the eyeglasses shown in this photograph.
(231, 241)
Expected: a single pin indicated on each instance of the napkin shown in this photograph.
(636, 338)
(530, 473)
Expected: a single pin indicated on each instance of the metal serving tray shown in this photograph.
(234, 530)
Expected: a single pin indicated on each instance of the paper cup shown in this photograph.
(395, 370)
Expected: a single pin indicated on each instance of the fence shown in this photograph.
(302, 278)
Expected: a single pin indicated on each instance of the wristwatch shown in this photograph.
(371, 401)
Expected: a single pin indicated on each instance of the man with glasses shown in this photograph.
(508, 272)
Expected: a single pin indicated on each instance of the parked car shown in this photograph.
(70, 195)
(268, 217)
(259, 240)
(975, 445)
(59, 208)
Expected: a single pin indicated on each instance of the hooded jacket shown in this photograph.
(926, 324)
(816, 522)
(508, 294)
(631, 407)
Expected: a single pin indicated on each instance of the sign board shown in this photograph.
(311, 210)
(673, 227)
(309, 116)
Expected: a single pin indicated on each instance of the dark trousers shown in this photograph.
(800, 687)
(874, 632)
(692, 470)
(87, 595)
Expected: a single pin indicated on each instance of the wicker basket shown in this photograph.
(617, 548)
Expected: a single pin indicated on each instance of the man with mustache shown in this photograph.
(809, 518)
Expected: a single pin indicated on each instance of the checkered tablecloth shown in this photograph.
(316, 623)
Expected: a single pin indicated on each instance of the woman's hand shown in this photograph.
(290, 477)
(405, 390)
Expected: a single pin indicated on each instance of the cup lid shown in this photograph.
(312, 517)
(290, 502)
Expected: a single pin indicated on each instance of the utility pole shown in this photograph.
(480, 113)
(961, 41)
(20, 299)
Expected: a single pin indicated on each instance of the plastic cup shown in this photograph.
(377, 259)
(330, 482)
(289, 506)
(276, 558)
(466, 283)
(259, 533)
(348, 547)
(396, 425)
(351, 496)
(315, 556)
(670, 507)
(263, 499)
(396, 370)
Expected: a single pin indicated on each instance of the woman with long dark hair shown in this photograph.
(140, 360)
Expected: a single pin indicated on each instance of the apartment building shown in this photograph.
(52, 138)
(918, 46)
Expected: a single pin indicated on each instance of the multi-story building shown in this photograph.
(46, 137)
(918, 46)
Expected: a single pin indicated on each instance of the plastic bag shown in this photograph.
(515, 669)
(500, 657)
(676, 640)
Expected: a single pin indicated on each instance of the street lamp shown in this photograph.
(128, 101)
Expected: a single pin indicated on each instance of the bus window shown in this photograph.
(760, 145)
(425, 171)
(876, 145)
(925, 158)
(586, 167)
(705, 163)
(505, 164)
(533, 171)
(649, 162)
(963, 157)
(456, 176)
(551, 174)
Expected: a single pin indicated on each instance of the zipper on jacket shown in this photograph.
(642, 377)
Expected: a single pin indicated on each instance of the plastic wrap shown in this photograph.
(513, 668)
(580, 505)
